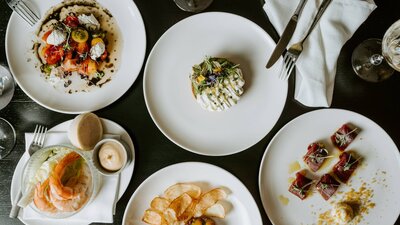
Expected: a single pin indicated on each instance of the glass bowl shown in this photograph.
(79, 177)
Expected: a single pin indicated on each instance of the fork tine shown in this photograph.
(290, 70)
(288, 66)
(22, 15)
(35, 133)
(43, 136)
(29, 11)
(285, 59)
(39, 134)
(20, 10)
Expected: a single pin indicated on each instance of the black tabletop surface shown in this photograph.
(377, 101)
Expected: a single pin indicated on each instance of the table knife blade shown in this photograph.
(286, 35)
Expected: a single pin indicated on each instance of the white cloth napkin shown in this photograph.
(99, 210)
(316, 66)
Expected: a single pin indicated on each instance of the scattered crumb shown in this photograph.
(360, 201)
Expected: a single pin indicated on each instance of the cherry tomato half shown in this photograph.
(71, 21)
(53, 54)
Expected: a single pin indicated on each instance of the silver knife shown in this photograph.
(286, 35)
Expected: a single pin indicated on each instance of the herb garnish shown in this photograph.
(348, 165)
(325, 186)
(302, 190)
(343, 139)
(318, 155)
(212, 71)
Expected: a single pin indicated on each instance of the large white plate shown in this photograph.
(168, 93)
(380, 156)
(110, 127)
(19, 36)
(240, 205)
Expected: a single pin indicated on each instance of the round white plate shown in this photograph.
(168, 94)
(19, 40)
(380, 168)
(110, 127)
(240, 206)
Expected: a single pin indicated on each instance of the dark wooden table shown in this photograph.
(378, 101)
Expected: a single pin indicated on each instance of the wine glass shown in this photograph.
(7, 132)
(375, 60)
(6, 87)
(193, 5)
(7, 138)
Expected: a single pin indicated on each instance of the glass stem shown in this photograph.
(376, 59)
(191, 3)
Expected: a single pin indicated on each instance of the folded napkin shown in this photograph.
(99, 210)
(316, 66)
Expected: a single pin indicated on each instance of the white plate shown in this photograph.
(19, 40)
(290, 144)
(240, 205)
(168, 94)
(110, 127)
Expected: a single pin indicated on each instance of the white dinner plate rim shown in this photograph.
(147, 100)
(105, 104)
(59, 127)
(191, 163)
(260, 173)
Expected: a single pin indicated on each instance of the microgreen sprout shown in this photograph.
(342, 139)
(212, 71)
(302, 190)
(319, 155)
(348, 165)
(323, 187)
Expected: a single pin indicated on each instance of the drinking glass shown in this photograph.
(193, 5)
(7, 132)
(6, 87)
(7, 138)
(374, 59)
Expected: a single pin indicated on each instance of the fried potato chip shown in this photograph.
(209, 199)
(180, 204)
(178, 189)
(216, 210)
(153, 217)
(170, 216)
(189, 212)
(159, 204)
(183, 202)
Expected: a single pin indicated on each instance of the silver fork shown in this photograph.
(23, 11)
(295, 50)
(39, 136)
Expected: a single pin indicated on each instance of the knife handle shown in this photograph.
(321, 10)
(298, 10)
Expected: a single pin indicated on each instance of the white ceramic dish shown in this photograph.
(110, 127)
(379, 170)
(19, 40)
(168, 94)
(242, 207)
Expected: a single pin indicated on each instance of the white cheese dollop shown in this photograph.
(97, 50)
(89, 21)
(56, 37)
(342, 213)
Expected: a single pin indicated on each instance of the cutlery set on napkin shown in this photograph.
(316, 65)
